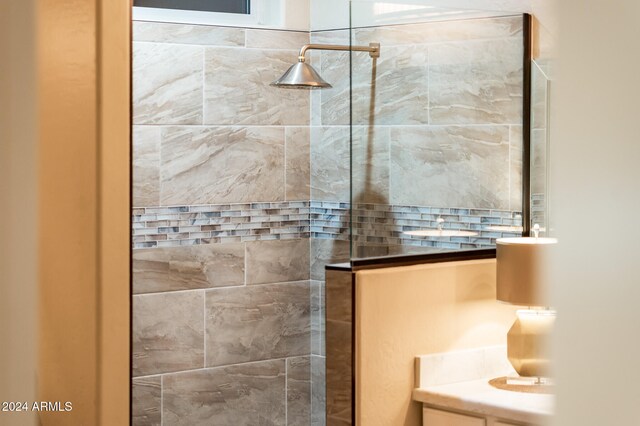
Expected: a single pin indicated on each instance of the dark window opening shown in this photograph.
(224, 6)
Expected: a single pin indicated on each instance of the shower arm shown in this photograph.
(373, 49)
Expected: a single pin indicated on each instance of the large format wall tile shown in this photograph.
(240, 395)
(370, 164)
(335, 101)
(146, 401)
(277, 261)
(476, 82)
(271, 39)
(325, 252)
(516, 150)
(330, 164)
(395, 91)
(299, 391)
(161, 32)
(318, 391)
(191, 267)
(257, 322)
(168, 332)
(221, 165)
(166, 94)
(330, 106)
(146, 166)
(538, 161)
(298, 163)
(237, 89)
(450, 166)
(437, 32)
(317, 318)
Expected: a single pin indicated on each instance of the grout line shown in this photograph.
(204, 327)
(215, 367)
(246, 264)
(284, 164)
(161, 400)
(218, 46)
(204, 79)
(428, 86)
(344, 126)
(286, 392)
(310, 387)
(509, 168)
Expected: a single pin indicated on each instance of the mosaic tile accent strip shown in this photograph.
(381, 224)
(220, 223)
(373, 224)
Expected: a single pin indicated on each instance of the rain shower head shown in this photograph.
(303, 76)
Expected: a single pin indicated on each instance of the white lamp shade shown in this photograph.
(521, 273)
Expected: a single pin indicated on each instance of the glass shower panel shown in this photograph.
(540, 97)
(436, 129)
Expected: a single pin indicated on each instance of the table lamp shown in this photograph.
(521, 280)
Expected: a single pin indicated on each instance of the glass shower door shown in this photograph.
(436, 135)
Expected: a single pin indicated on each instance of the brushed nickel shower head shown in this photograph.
(303, 76)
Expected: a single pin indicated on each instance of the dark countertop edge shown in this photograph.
(413, 259)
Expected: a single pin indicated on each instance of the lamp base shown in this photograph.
(527, 342)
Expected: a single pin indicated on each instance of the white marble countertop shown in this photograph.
(478, 396)
(460, 381)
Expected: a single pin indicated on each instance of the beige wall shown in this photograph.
(18, 274)
(408, 311)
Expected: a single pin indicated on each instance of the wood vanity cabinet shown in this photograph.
(432, 416)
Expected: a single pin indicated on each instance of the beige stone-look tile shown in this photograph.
(330, 167)
(163, 93)
(339, 296)
(162, 32)
(257, 322)
(325, 252)
(317, 318)
(393, 89)
(515, 167)
(277, 261)
(237, 89)
(339, 371)
(370, 164)
(335, 101)
(539, 97)
(539, 161)
(146, 401)
(146, 166)
(441, 31)
(239, 395)
(188, 267)
(330, 37)
(476, 82)
(168, 332)
(318, 391)
(298, 163)
(272, 39)
(299, 391)
(209, 165)
(450, 166)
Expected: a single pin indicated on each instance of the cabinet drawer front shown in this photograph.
(433, 417)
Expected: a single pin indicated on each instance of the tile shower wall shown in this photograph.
(242, 192)
(225, 314)
(437, 124)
